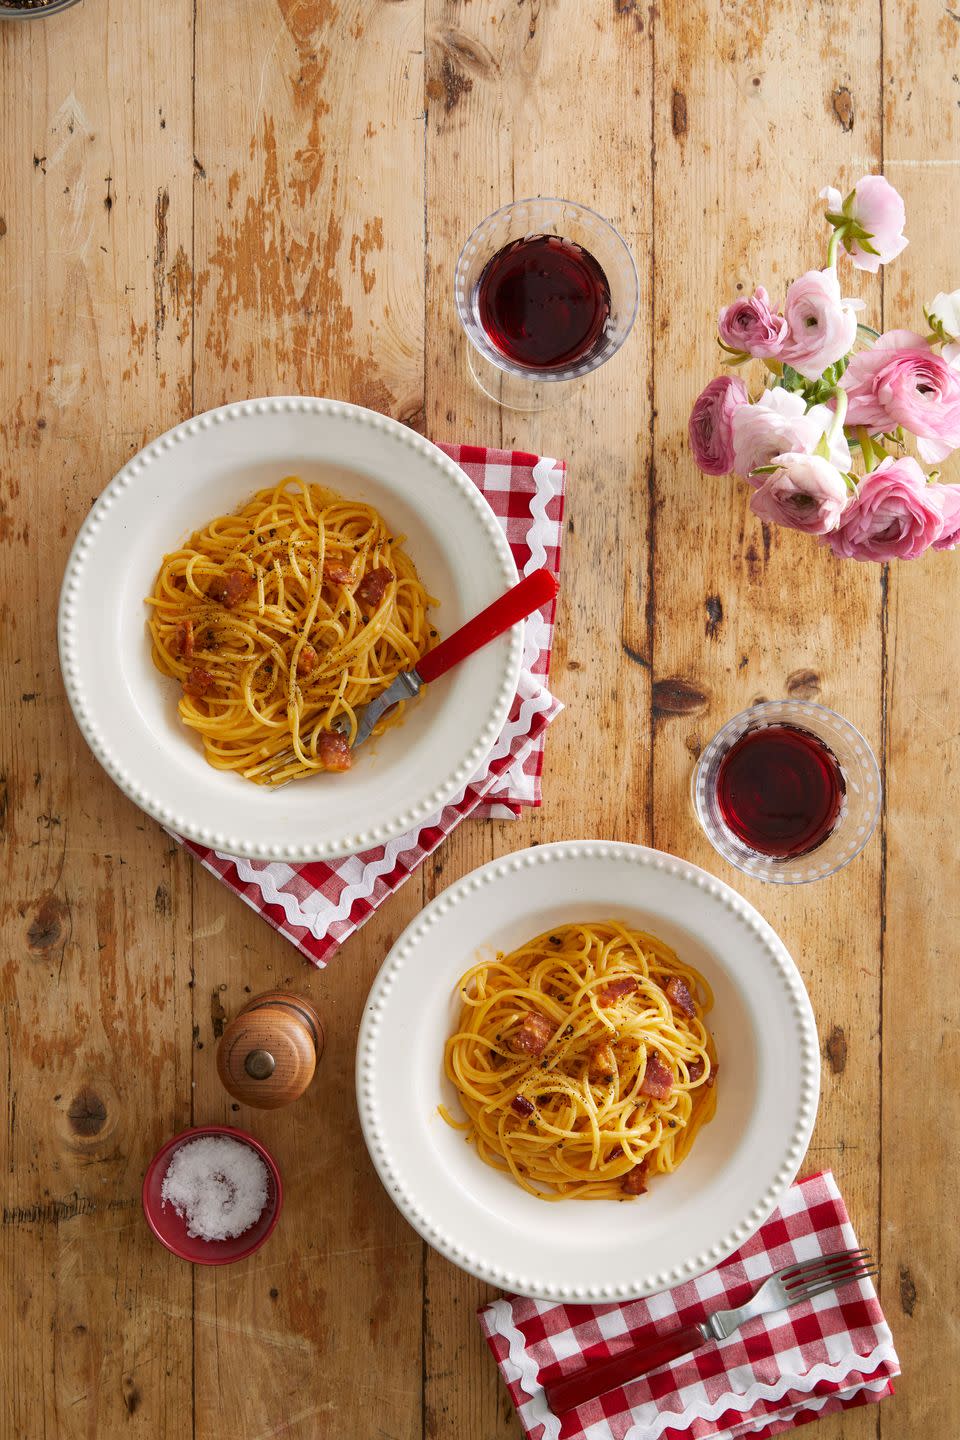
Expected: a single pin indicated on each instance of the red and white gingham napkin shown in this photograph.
(779, 1371)
(317, 905)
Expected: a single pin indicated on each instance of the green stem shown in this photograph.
(866, 448)
(832, 250)
(839, 415)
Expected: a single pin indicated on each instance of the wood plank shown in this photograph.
(94, 357)
(921, 1002)
(309, 245)
(748, 128)
(505, 122)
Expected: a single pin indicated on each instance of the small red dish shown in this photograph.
(171, 1228)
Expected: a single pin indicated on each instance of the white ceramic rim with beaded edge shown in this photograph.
(207, 466)
(592, 1251)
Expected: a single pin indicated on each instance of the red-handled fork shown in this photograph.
(787, 1287)
(534, 590)
(520, 601)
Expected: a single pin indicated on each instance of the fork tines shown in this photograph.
(827, 1272)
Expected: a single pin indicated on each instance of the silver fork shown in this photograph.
(406, 686)
(790, 1286)
(536, 589)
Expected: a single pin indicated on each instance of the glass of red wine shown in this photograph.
(788, 791)
(546, 291)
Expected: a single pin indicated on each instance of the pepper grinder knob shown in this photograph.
(270, 1049)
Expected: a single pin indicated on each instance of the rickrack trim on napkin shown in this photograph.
(778, 1372)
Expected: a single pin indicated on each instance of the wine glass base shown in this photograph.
(516, 392)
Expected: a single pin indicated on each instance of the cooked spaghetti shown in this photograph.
(583, 1062)
(280, 621)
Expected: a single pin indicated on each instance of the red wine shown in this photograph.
(780, 790)
(543, 302)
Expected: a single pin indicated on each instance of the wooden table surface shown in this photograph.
(201, 202)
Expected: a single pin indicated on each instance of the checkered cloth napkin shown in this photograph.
(317, 905)
(779, 1371)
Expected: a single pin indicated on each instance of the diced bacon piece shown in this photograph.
(307, 661)
(696, 1068)
(615, 990)
(531, 1039)
(677, 992)
(334, 751)
(615, 1153)
(633, 1182)
(521, 1106)
(601, 1066)
(198, 683)
(373, 586)
(335, 572)
(712, 1077)
(657, 1079)
(184, 639)
(231, 589)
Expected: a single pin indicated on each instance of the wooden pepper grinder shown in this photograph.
(270, 1049)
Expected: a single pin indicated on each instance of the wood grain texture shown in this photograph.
(502, 104)
(921, 998)
(309, 278)
(96, 911)
(745, 612)
(200, 203)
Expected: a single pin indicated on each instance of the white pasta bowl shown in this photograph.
(590, 1250)
(127, 710)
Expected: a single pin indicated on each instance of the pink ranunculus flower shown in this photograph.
(879, 210)
(805, 493)
(901, 381)
(948, 498)
(779, 422)
(710, 424)
(752, 326)
(821, 327)
(895, 515)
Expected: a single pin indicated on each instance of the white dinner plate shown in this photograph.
(206, 467)
(591, 1250)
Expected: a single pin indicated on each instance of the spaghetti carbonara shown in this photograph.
(582, 1061)
(280, 622)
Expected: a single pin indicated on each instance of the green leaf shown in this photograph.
(792, 379)
(937, 330)
(823, 448)
(836, 219)
(848, 203)
(816, 391)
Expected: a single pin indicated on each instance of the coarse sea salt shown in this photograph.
(218, 1185)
